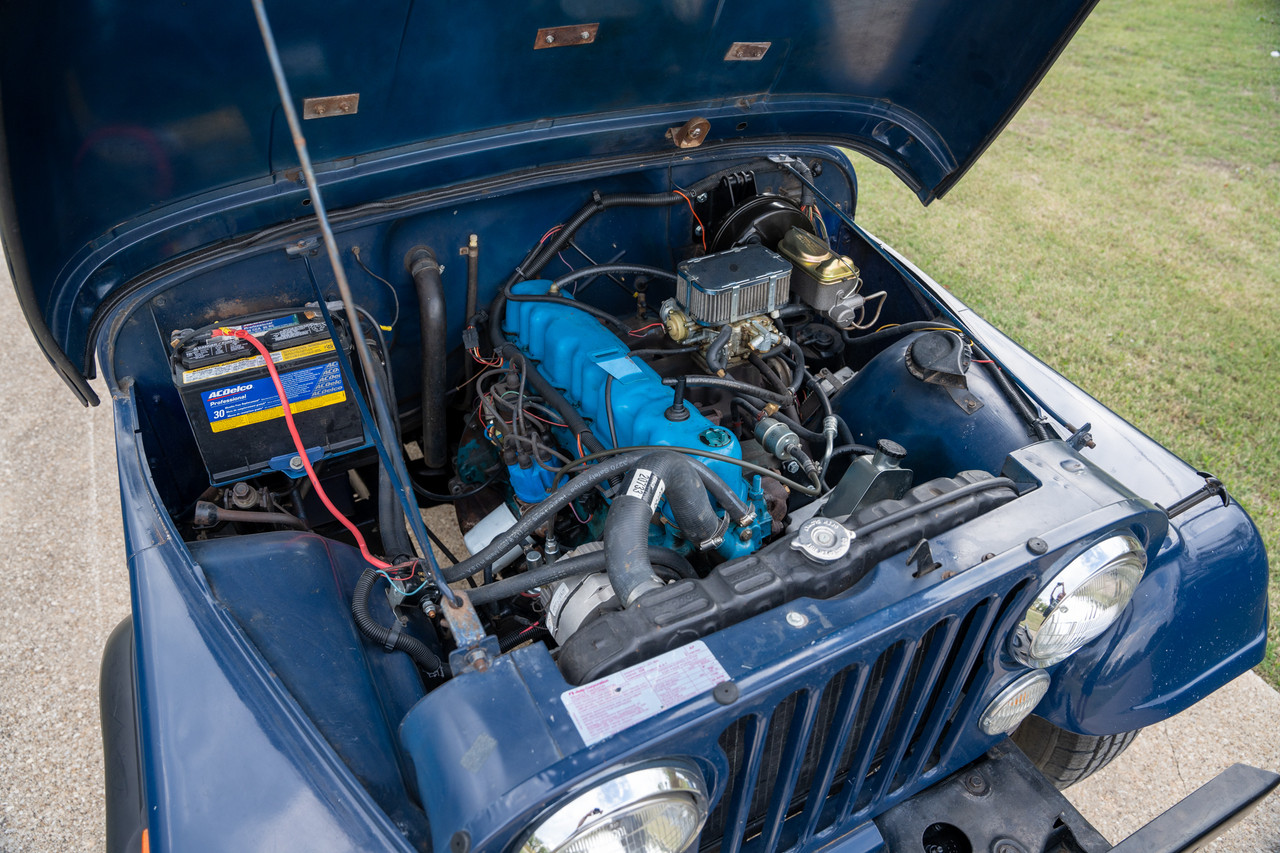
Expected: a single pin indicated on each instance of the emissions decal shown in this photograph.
(255, 400)
(616, 702)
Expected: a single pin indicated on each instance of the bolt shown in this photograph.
(320, 109)
(988, 556)
(429, 609)
(702, 197)
(744, 535)
(970, 404)
(585, 35)
(346, 108)
(695, 132)
(975, 784)
(478, 660)
(796, 620)
(296, 463)
(550, 39)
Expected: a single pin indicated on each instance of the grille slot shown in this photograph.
(832, 754)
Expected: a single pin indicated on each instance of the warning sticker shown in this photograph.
(255, 400)
(243, 364)
(616, 702)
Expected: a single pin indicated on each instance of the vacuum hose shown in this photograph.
(425, 270)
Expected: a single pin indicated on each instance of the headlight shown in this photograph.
(1014, 703)
(648, 810)
(1080, 602)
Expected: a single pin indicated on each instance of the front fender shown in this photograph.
(229, 761)
(1198, 620)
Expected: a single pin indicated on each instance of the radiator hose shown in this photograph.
(425, 270)
(626, 532)
(390, 638)
(567, 567)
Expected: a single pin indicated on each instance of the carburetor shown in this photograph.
(724, 300)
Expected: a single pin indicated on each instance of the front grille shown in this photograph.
(830, 756)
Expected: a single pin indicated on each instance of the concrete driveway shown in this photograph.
(64, 586)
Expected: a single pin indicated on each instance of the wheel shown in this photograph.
(122, 765)
(1065, 757)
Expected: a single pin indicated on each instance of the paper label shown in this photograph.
(616, 702)
(558, 598)
(619, 368)
(644, 480)
(243, 364)
(256, 400)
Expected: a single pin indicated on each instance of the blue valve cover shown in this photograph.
(578, 355)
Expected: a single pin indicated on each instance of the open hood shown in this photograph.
(136, 132)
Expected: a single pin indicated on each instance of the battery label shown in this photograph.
(255, 400)
(242, 364)
(267, 325)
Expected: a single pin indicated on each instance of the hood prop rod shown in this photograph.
(394, 461)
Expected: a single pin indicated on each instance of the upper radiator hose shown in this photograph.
(626, 532)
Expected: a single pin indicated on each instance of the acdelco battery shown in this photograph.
(232, 403)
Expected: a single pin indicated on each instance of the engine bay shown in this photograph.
(677, 398)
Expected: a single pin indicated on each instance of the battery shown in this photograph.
(233, 406)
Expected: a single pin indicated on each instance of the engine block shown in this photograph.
(593, 368)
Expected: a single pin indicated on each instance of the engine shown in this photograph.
(710, 390)
(626, 477)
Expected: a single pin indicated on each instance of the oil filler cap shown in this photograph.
(822, 540)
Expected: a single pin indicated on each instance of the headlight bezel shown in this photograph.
(1116, 551)
(618, 795)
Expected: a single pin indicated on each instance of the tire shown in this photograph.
(1065, 757)
(122, 765)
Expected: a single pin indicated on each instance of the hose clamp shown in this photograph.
(393, 635)
(716, 538)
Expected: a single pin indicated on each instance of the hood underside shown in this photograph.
(138, 132)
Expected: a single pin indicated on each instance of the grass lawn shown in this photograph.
(1125, 227)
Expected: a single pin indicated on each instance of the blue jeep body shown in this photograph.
(149, 186)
